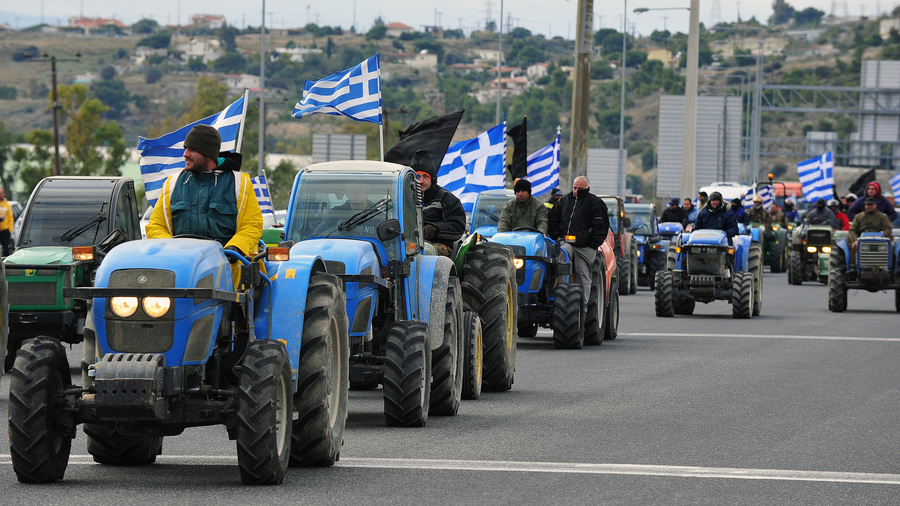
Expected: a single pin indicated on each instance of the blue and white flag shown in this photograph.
(895, 187)
(164, 156)
(261, 188)
(817, 177)
(543, 168)
(765, 192)
(475, 165)
(355, 93)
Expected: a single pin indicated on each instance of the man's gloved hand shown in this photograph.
(232, 258)
(430, 231)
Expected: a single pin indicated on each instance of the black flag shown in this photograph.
(859, 186)
(519, 135)
(433, 135)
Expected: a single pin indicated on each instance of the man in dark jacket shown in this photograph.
(443, 214)
(715, 216)
(580, 220)
(674, 213)
(819, 214)
(523, 211)
(739, 214)
(873, 190)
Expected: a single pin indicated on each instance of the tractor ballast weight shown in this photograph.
(707, 268)
(175, 345)
(875, 267)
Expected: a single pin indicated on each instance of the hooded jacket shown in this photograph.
(719, 218)
(586, 217)
(219, 204)
(883, 205)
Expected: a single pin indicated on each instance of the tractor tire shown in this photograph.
(322, 377)
(685, 306)
(110, 447)
(595, 317)
(657, 263)
(663, 294)
(407, 375)
(265, 409)
(568, 317)
(489, 289)
(795, 268)
(671, 256)
(755, 266)
(4, 316)
(742, 295)
(612, 311)
(447, 362)
(624, 269)
(633, 282)
(38, 447)
(776, 265)
(837, 286)
(528, 329)
(897, 299)
(474, 347)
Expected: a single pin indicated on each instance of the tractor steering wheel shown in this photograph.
(191, 236)
(872, 228)
(526, 229)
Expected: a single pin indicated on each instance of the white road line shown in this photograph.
(553, 467)
(768, 336)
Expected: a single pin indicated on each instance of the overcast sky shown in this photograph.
(549, 17)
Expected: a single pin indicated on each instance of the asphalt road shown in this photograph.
(797, 406)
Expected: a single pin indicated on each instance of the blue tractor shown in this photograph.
(705, 267)
(651, 248)
(486, 213)
(874, 267)
(408, 329)
(177, 341)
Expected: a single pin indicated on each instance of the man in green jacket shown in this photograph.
(523, 211)
(869, 221)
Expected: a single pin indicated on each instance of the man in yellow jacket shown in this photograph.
(6, 223)
(211, 197)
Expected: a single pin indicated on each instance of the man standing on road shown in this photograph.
(523, 211)
(580, 221)
(442, 214)
(6, 223)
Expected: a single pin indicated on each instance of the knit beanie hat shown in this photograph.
(205, 140)
(522, 185)
(421, 162)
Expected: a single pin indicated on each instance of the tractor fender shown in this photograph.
(281, 305)
(741, 252)
(845, 247)
(434, 272)
(530, 277)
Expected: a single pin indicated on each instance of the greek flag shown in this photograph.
(164, 156)
(261, 188)
(476, 165)
(817, 177)
(765, 192)
(543, 168)
(355, 93)
(895, 186)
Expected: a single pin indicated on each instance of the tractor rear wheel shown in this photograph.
(528, 329)
(568, 316)
(663, 294)
(671, 256)
(657, 263)
(685, 306)
(323, 376)
(109, 446)
(489, 289)
(447, 362)
(776, 264)
(265, 409)
(755, 266)
(633, 282)
(837, 286)
(795, 268)
(595, 318)
(742, 295)
(39, 449)
(407, 374)
(624, 269)
(473, 365)
(612, 311)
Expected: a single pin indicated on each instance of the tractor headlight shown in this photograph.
(811, 249)
(518, 263)
(156, 306)
(826, 249)
(123, 307)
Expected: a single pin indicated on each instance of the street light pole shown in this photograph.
(689, 147)
(261, 171)
(55, 106)
(581, 93)
(620, 183)
(757, 102)
(500, 62)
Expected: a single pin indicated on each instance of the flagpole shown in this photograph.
(240, 137)
(380, 111)
(262, 92)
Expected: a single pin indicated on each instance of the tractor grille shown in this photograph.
(710, 263)
(818, 237)
(873, 254)
(139, 333)
(32, 294)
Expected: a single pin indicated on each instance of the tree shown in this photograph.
(6, 149)
(145, 25)
(227, 35)
(152, 74)
(35, 164)
(160, 40)
(211, 97)
(231, 62)
(808, 17)
(782, 13)
(377, 32)
(114, 94)
(95, 146)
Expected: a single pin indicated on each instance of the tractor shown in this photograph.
(874, 266)
(175, 340)
(773, 240)
(707, 267)
(486, 212)
(408, 328)
(90, 213)
(810, 247)
(624, 244)
(651, 248)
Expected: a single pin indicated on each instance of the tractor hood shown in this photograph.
(708, 237)
(41, 255)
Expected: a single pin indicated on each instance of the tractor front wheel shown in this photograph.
(448, 360)
(612, 311)
(742, 295)
(568, 316)
(595, 318)
(837, 285)
(474, 347)
(407, 374)
(663, 294)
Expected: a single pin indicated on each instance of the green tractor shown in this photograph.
(69, 224)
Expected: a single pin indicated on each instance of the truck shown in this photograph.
(175, 340)
(65, 217)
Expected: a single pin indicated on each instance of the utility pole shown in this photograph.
(581, 93)
(55, 107)
(689, 147)
(262, 93)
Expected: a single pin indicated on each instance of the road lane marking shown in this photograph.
(551, 467)
(767, 336)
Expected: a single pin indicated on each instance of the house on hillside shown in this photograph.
(94, 24)
(536, 71)
(239, 82)
(211, 21)
(488, 56)
(663, 55)
(397, 29)
(885, 26)
(295, 54)
(205, 49)
(422, 60)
